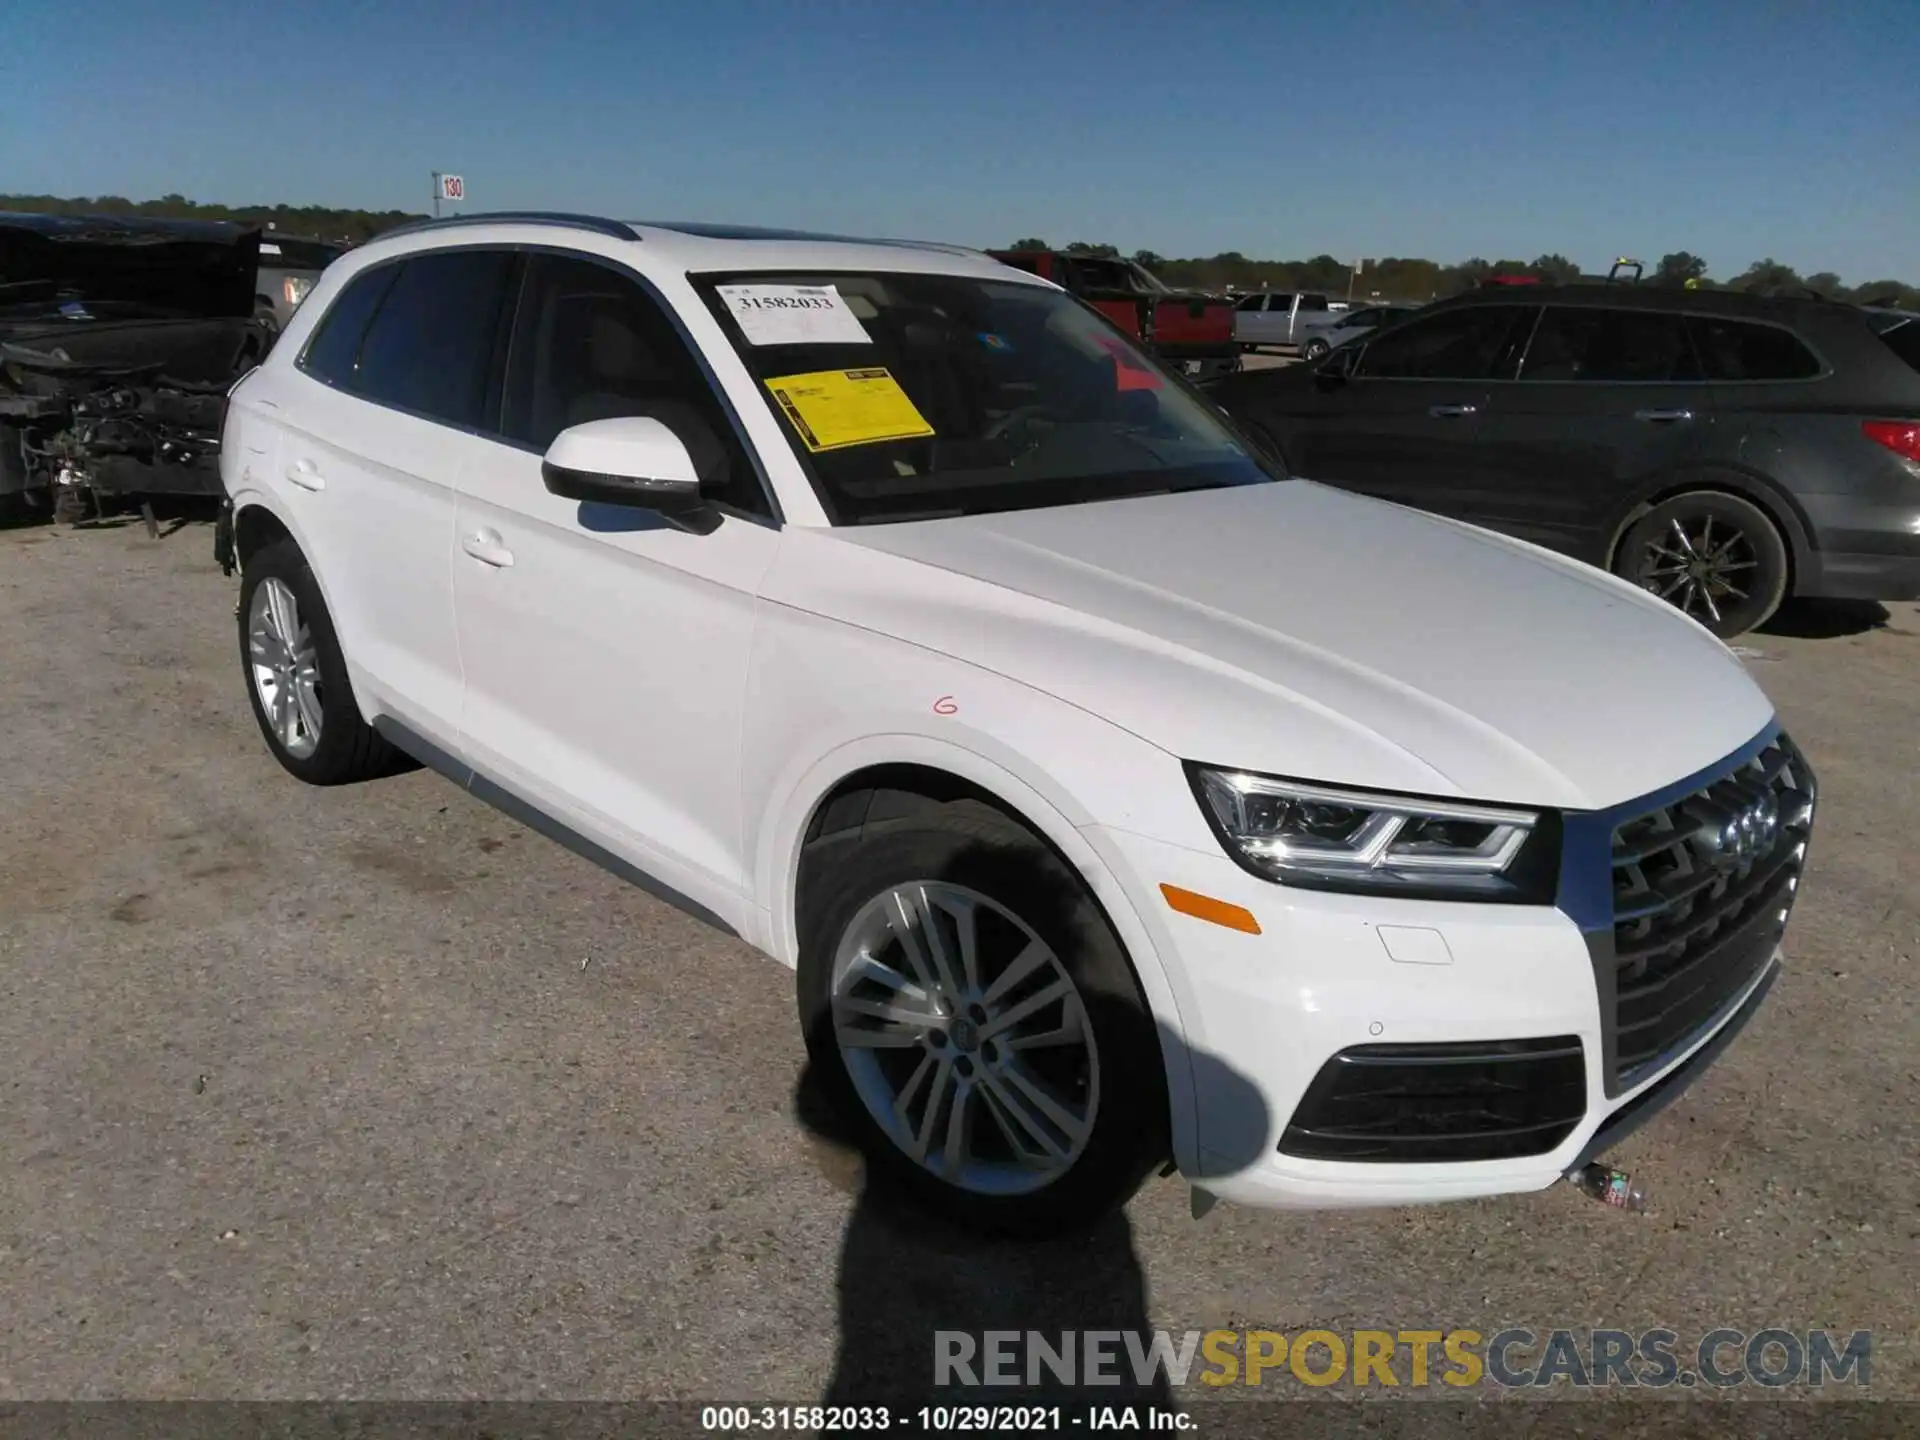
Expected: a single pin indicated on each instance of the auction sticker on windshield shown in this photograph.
(832, 409)
(793, 315)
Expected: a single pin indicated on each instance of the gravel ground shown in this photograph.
(372, 1093)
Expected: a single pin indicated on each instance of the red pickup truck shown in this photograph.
(1191, 330)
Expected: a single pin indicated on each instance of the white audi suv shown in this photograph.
(1120, 802)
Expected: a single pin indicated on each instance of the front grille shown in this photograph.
(1701, 891)
(1472, 1100)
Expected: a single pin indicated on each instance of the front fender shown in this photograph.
(814, 721)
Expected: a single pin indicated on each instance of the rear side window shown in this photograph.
(1903, 338)
(1743, 350)
(1099, 275)
(1470, 343)
(1313, 302)
(1595, 346)
(335, 345)
(430, 348)
(1280, 302)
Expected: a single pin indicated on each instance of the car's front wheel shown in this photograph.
(1715, 556)
(297, 677)
(969, 1009)
(1314, 349)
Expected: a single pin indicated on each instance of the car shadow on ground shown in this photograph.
(171, 513)
(1826, 619)
(906, 1275)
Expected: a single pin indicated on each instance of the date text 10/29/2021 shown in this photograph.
(960, 1419)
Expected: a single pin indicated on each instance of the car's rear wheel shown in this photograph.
(968, 1008)
(1715, 556)
(297, 677)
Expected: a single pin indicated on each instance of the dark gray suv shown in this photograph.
(1722, 450)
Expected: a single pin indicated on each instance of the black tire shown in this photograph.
(1731, 571)
(349, 749)
(969, 844)
(1314, 349)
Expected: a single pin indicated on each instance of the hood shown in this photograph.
(52, 265)
(1302, 631)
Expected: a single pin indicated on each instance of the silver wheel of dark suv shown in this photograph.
(1712, 555)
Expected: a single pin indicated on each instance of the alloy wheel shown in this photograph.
(1702, 564)
(965, 1038)
(286, 667)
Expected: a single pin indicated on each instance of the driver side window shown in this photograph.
(590, 344)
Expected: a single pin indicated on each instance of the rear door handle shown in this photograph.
(1662, 417)
(485, 546)
(306, 475)
(1452, 412)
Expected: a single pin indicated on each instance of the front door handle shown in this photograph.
(485, 546)
(1662, 417)
(1452, 412)
(306, 475)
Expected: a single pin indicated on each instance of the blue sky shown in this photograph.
(1735, 130)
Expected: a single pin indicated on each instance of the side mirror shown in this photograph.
(1337, 367)
(633, 461)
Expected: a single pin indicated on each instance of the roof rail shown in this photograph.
(597, 223)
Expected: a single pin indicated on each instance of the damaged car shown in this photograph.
(119, 340)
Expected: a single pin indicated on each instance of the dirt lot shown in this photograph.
(370, 1092)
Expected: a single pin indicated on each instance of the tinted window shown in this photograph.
(1249, 302)
(1903, 338)
(1361, 317)
(1610, 346)
(299, 254)
(1100, 274)
(1280, 302)
(1742, 350)
(336, 340)
(590, 344)
(1464, 344)
(431, 346)
(1313, 302)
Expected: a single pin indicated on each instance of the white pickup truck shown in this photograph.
(1280, 317)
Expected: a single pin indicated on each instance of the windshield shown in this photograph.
(911, 397)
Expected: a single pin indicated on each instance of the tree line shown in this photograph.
(1391, 278)
(318, 221)
(1400, 278)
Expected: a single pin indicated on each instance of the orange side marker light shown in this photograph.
(1205, 907)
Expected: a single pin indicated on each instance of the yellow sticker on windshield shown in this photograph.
(835, 408)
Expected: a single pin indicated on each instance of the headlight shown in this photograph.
(1333, 839)
(295, 288)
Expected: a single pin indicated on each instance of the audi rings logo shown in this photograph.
(1749, 834)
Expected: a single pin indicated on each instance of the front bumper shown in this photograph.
(1261, 1015)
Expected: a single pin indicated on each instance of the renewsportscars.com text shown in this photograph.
(1414, 1359)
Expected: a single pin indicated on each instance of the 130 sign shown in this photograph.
(452, 187)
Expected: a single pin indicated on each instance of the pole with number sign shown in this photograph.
(447, 187)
